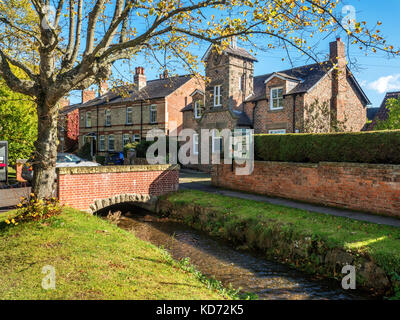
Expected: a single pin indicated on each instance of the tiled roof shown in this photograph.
(243, 120)
(154, 89)
(189, 107)
(309, 76)
(236, 51)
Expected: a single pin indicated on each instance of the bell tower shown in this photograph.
(229, 77)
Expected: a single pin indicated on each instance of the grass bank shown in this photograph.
(310, 241)
(93, 259)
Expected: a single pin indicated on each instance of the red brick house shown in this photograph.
(288, 101)
(125, 114)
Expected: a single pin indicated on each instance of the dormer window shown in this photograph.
(198, 106)
(276, 98)
(217, 96)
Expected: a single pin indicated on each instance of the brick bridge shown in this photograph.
(94, 188)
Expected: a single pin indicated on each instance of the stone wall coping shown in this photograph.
(116, 169)
(334, 164)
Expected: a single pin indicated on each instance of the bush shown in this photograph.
(141, 147)
(101, 160)
(360, 147)
(85, 152)
(35, 209)
(128, 146)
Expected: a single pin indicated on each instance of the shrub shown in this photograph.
(35, 209)
(128, 146)
(101, 159)
(85, 152)
(360, 147)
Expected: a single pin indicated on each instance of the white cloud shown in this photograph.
(385, 84)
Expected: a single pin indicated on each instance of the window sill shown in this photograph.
(275, 110)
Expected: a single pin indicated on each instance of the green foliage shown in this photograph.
(360, 147)
(18, 123)
(393, 120)
(128, 146)
(84, 152)
(101, 160)
(34, 209)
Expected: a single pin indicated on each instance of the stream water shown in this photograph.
(216, 258)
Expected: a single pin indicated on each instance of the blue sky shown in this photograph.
(375, 72)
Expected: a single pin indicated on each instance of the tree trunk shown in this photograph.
(44, 164)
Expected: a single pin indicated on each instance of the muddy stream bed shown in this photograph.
(216, 258)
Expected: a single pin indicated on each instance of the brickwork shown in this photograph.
(365, 187)
(80, 187)
(168, 114)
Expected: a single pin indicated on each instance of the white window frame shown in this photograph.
(195, 143)
(277, 131)
(197, 110)
(107, 116)
(129, 111)
(126, 138)
(214, 138)
(279, 99)
(217, 96)
(153, 108)
(88, 119)
(111, 137)
(135, 138)
(102, 143)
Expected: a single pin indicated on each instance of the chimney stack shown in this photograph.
(339, 83)
(103, 87)
(139, 78)
(88, 95)
(337, 50)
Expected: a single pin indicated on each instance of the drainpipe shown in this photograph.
(141, 120)
(294, 113)
(254, 111)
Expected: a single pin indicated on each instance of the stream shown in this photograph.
(217, 258)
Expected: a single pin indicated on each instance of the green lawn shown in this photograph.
(381, 242)
(93, 259)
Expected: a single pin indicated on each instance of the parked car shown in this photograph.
(115, 158)
(63, 160)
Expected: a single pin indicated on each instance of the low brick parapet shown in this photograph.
(81, 187)
(373, 188)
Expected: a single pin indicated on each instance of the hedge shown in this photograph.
(359, 147)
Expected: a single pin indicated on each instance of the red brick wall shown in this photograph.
(365, 187)
(80, 187)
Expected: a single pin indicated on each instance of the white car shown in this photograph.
(63, 160)
(71, 160)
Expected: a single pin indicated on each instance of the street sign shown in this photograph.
(3, 161)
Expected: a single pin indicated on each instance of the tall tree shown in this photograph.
(78, 47)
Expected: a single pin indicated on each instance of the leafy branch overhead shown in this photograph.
(75, 43)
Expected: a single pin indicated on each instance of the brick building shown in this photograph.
(319, 97)
(127, 113)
